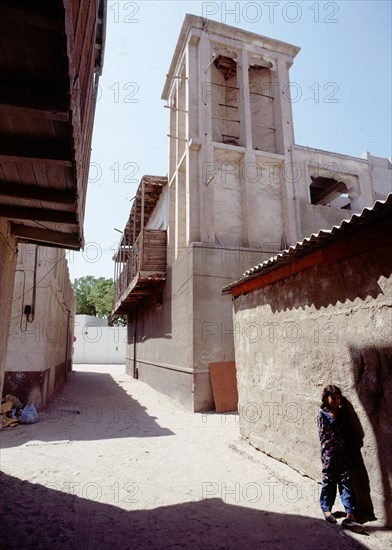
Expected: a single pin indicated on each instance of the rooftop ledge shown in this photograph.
(228, 31)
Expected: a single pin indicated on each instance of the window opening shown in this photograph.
(261, 99)
(329, 192)
(225, 101)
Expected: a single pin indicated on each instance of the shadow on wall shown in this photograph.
(38, 517)
(150, 319)
(373, 382)
(338, 285)
(92, 406)
(354, 438)
(154, 314)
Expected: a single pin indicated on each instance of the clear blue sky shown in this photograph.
(345, 56)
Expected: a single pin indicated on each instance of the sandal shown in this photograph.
(354, 526)
(330, 518)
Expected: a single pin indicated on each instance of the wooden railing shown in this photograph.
(146, 260)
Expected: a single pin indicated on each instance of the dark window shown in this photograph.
(329, 192)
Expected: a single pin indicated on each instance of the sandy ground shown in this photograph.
(134, 470)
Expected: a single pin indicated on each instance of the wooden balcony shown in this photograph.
(143, 266)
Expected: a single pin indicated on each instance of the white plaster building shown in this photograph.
(238, 190)
(40, 335)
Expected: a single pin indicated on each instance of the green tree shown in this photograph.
(94, 296)
(82, 289)
(101, 295)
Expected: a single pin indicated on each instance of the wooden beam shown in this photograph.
(35, 160)
(34, 193)
(22, 149)
(37, 214)
(42, 97)
(28, 14)
(46, 237)
(48, 114)
(142, 224)
(323, 187)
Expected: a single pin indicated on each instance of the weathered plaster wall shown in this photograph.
(248, 202)
(355, 172)
(189, 325)
(8, 256)
(215, 267)
(226, 199)
(245, 194)
(327, 324)
(315, 217)
(213, 342)
(164, 332)
(381, 175)
(39, 353)
(160, 216)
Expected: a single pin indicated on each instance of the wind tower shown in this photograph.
(230, 131)
(238, 191)
(230, 206)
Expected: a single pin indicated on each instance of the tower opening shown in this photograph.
(225, 101)
(329, 192)
(261, 99)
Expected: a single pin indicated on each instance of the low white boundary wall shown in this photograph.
(97, 343)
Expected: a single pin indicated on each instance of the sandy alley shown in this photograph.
(114, 463)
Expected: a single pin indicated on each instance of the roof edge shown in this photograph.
(313, 243)
(204, 24)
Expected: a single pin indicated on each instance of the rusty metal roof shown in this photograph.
(50, 61)
(381, 209)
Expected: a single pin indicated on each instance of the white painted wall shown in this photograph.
(8, 258)
(97, 343)
(160, 216)
(38, 354)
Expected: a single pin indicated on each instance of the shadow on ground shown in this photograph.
(37, 517)
(91, 406)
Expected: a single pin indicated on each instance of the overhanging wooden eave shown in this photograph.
(18, 11)
(47, 237)
(15, 190)
(48, 85)
(38, 214)
(36, 112)
(138, 288)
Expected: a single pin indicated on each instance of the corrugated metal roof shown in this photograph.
(379, 210)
